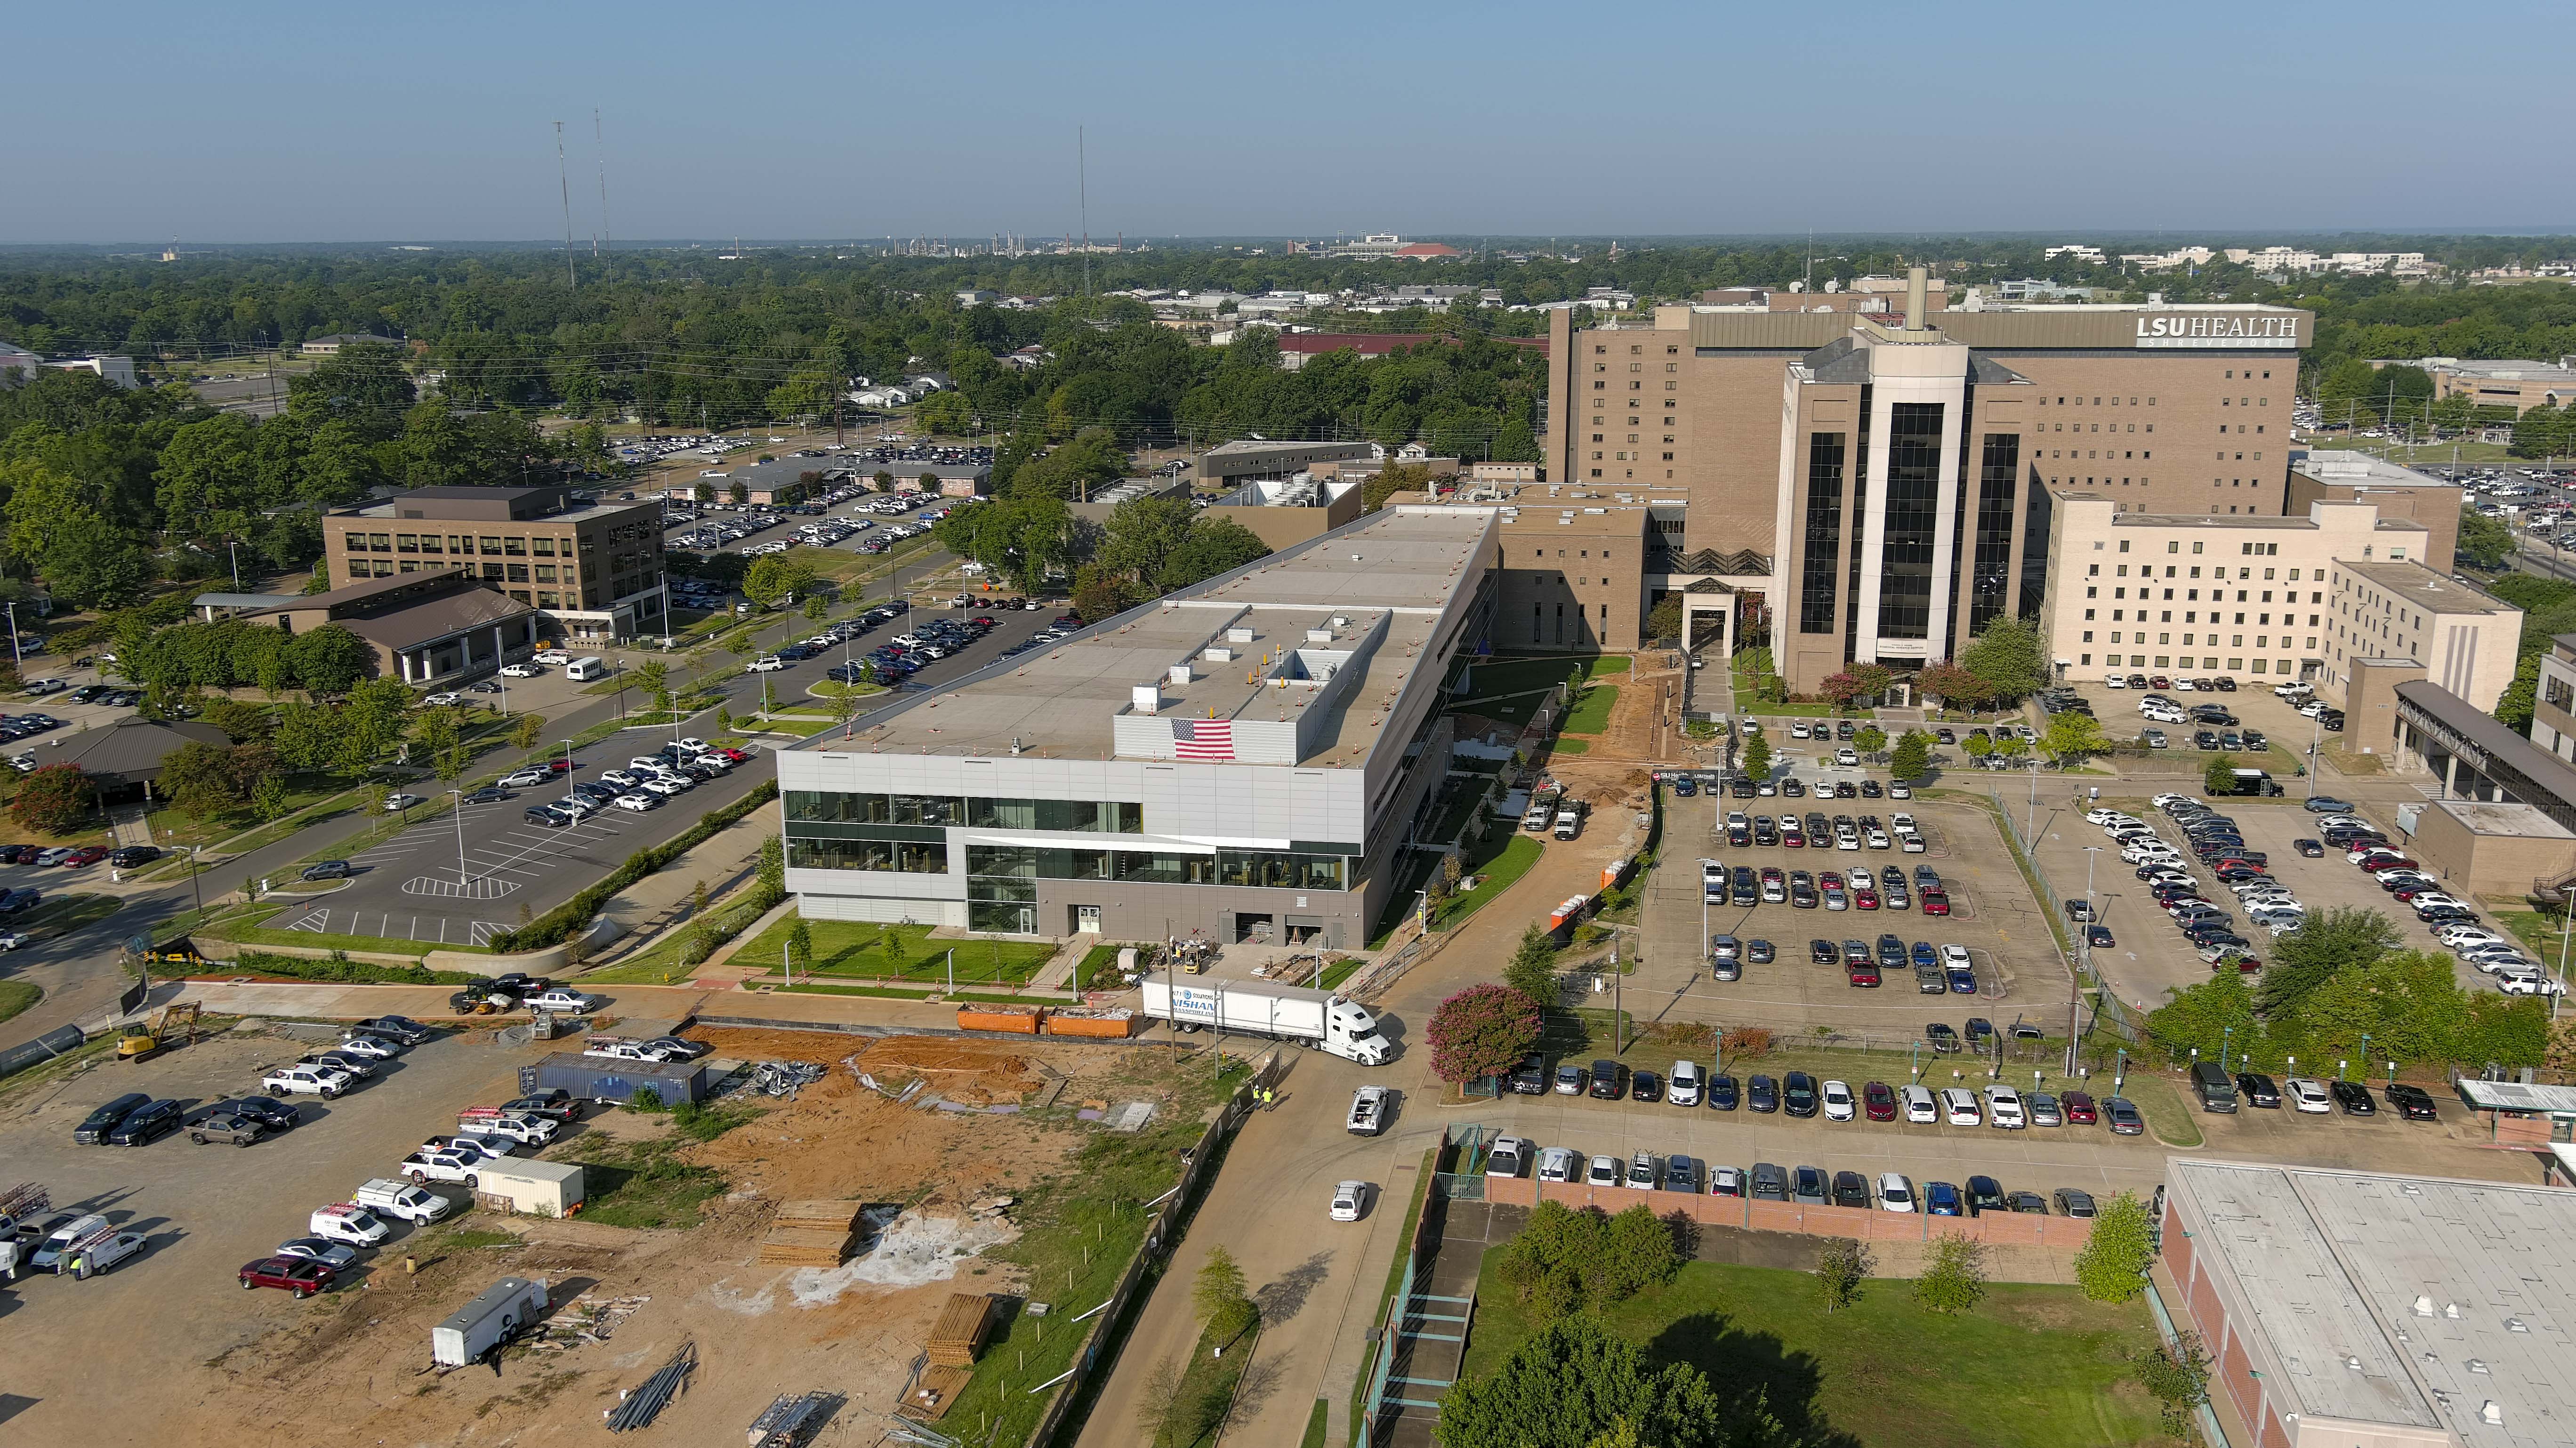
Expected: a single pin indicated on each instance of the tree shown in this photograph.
(2487, 542)
(525, 734)
(201, 780)
(1979, 747)
(1955, 687)
(1842, 1264)
(2072, 738)
(2340, 938)
(1532, 971)
(815, 607)
(1217, 1295)
(1100, 592)
(1869, 739)
(800, 942)
(772, 868)
(55, 799)
(91, 561)
(2010, 657)
(1954, 1275)
(1481, 1031)
(1756, 758)
(2220, 776)
(2521, 698)
(1664, 620)
(2113, 1265)
(1841, 688)
(739, 492)
(268, 798)
(2177, 1377)
(437, 730)
(1912, 756)
(1637, 1252)
(775, 578)
(1214, 546)
(329, 659)
(372, 720)
(1573, 1381)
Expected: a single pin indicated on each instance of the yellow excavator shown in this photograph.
(176, 1025)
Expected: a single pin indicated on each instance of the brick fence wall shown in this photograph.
(2066, 1235)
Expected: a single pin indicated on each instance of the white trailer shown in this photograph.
(1256, 1007)
(498, 1315)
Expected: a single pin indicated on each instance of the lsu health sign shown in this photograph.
(2218, 329)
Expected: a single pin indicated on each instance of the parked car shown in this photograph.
(298, 1276)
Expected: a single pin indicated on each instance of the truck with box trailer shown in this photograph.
(1255, 1007)
(503, 1312)
(592, 1078)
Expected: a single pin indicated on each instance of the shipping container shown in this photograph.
(1115, 1025)
(1015, 1020)
(592, 1078)
(537, 1188)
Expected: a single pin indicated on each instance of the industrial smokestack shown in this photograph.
(1916, 307)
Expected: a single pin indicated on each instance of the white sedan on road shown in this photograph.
(402, 801)
(435, 701)
(668, 786)
(638, 801)
(1349, 1199)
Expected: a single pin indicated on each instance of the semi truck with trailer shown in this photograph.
(1254, 1007)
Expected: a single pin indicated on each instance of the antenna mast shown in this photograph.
(1082, 173)
(565, 177)
(599, 138)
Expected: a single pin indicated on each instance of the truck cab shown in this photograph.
(1350, 1031)
(1569, 819)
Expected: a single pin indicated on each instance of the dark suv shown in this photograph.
(1798, 1094)
(156, 1120)
(1608, 1083)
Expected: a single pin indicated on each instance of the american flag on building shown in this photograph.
(1203, 739)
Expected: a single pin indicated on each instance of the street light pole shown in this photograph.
(462, 880)
(2075, 989)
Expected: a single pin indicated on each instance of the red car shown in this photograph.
(559, 765)
(736, 755)
(1861, 973)
(1936, 902)
(297, 1275)
(1878, 1101)
(1864, 899)
(85, 855)
(2078, 1108)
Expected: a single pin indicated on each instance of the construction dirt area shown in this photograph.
(958, 1149)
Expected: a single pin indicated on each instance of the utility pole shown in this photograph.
(1082, 174)
(564, 177)
(599, 139)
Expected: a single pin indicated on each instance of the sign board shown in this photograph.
(2217, 329)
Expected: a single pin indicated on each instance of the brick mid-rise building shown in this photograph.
(595, 569)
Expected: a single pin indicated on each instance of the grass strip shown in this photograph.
(2032, 1366)
(17, 995)
(1500, 874)
(1591, 713)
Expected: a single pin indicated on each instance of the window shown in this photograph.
(492, 546)
(406, 543)
(1823, 548)
(1912, 505)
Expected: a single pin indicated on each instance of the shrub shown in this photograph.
(2177, 1377)
(1483, 1030)
(1745, 1041)
(338, 968)
(54, 799)
(1954, 1276)
(1842, 1264)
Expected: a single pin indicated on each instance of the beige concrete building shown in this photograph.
(2184, 593)
(2486, 848)
(2465, 639)
(2520, 385)
(2553, 713)
(1890, 473)
(2398, 493)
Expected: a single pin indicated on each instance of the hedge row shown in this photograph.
(339, 969)
(558, 924)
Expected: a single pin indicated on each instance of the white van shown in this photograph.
(1682, 1087)
(583, 670)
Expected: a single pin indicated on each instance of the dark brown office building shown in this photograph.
(594, 568)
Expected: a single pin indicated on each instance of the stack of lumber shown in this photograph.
(932, 1396)
(959, 1333)
(811, 1234)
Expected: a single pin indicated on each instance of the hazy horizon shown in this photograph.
(266, 125)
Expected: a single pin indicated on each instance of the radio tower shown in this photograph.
(565, 177)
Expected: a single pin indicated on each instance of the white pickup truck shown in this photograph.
(1368, 1110)
(302, 1080)
(621, 1048)
(443, 1166)
(401, 1200)
(519, 1126)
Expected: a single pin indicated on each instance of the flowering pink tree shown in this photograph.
(1483, 1030)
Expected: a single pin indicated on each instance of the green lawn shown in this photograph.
(857, 950)
(16, 996)
(1501, 870)
(1591, 713)
(1571, 746)
(2032, 1367)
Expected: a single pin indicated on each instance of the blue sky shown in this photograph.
(267, 122)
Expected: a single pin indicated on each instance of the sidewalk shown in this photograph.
(862, 1015)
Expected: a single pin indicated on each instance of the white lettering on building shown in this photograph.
(2205, 330)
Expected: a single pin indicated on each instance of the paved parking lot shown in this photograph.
(2151, 956)
(206, 1210)
(2019, 975)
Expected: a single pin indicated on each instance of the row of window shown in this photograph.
(2234, 641)
(2207, 661)
(1010, 873)
(1061, 816)
(458, 544)
(2192, 615)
